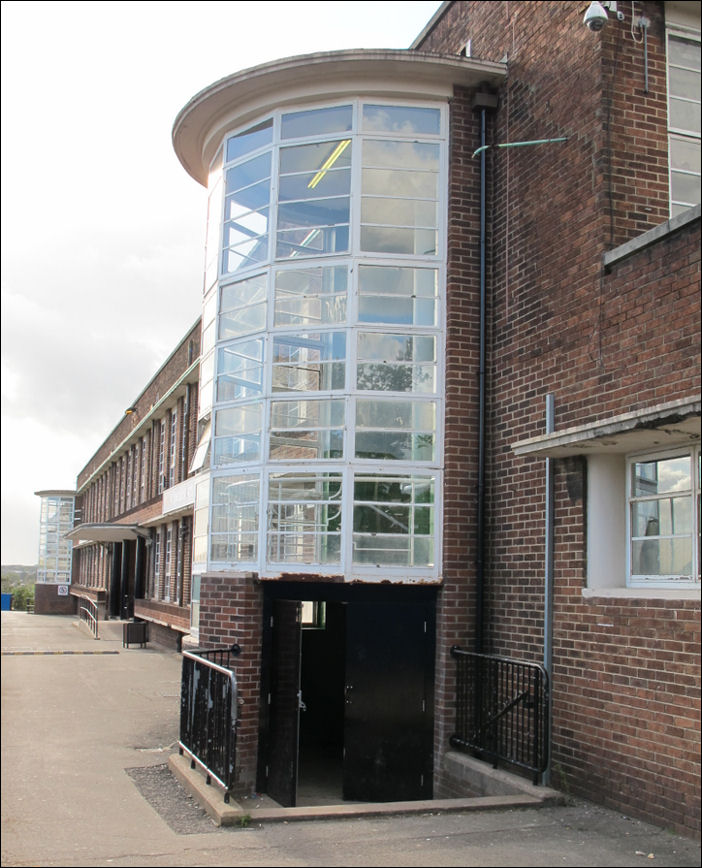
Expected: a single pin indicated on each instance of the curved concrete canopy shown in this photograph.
(382, 74)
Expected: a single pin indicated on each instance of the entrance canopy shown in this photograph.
(106, 532)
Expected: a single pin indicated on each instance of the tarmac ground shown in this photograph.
(89, 742)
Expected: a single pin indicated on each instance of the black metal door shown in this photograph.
(388, 727)
(284, 703)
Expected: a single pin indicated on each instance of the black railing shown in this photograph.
(208, 713)
(88, 613)
(502, 710)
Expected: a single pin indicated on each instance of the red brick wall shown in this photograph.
(456, 599)
(602, 344)
(187, 351)
(231, 610)
(48, 602)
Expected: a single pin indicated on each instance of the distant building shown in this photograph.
(55, 552)
(445, 391)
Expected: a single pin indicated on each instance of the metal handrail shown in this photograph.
(88, 613)
(208, 713)
(502, 710)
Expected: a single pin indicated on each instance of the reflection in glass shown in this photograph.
(235, 510)
(305, 518)
(310, 430)
(397, 295)
(405, 364)
(238, 434)
(395, 430)
(401, 119)
(243, 307)
(393, 520)
(316, 122)
(250, 140)
(240, 370)
(310, 296)
(309, 362)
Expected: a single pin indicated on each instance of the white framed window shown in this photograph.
(683, 67)
(156, 574)
(172, 441)
(161, 456)
(169, 557)
(326, 330)
(663, 519)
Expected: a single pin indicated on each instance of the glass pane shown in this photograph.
(409, 155)
(684, 52)
(316, 122)
(248, 173)
(685, 188)
(416, 242)
(307, 414)
(685, 154)
(685, 115)
(659, 477)
(384, 280)
(235, 518)
(404, 415)
(319, 157)
(305, 518)
(309, 362)
(384, 182)
(401, 119)
(306, 445)
(311, 242)
(381, 550)
(243, 419)
(317, 212)
(243, 293)
(249, 140)
(662, 557)
(240, 370)
(245, 255)
(334, 183)
(399, 212)
(394, 446)
(310, 296)
(683, 82)
(666, 517)
(229, 450)
(249, 226)
(379, 377)
(252, 198)
(389, 347)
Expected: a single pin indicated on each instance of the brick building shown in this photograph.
(448, 394)
(132, 545)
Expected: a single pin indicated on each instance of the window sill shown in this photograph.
(642, 593)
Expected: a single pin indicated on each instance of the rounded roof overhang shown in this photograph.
(383, 74)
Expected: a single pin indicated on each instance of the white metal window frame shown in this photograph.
(679, 133)
(663, 581)
(352, 326)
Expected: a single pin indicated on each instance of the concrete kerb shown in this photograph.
(505, 791)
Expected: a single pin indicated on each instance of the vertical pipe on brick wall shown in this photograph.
(548, 582)
(480, 546)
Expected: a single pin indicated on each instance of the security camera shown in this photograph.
(595, 17)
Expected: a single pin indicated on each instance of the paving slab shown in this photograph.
(86, 743)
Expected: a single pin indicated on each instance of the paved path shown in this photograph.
(85, 740)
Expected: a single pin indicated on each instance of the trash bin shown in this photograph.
(6, 602)
(134, 633)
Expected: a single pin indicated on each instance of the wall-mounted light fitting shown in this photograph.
(129, 411)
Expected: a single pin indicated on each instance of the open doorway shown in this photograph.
(348, 681)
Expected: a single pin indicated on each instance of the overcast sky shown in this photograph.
(102, 229)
